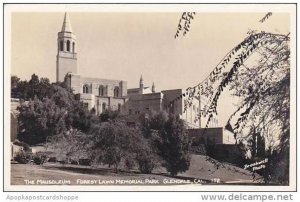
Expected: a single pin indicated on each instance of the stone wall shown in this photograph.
(177, 108)
(142, 103)
(109, 86)
(206, 136)
(14, 124)
(93, 99)
(65, 65)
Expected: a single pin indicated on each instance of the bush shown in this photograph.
(129, 163)
(74, 162)
(39, 159)
(85, 162)
(52, 159)
(22, 157)
(170, 141)
(146, 164)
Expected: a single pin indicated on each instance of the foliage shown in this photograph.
(257, 72)
(82, 119)
(174, 147)
(23, 157)
(40, 120)
(278, 168)
(113, 142)
(147, 160)
(266, 17)
(39, 158)
(184, 23)
(69, 145)
(51, 109)
(108, 115)
(27, 90)
(168, 138)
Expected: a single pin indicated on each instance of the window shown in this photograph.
(68, 45)
(73, 47)
(130, 111)
(101, 91)
(61, 45)
(119, 107)
(103, 107)
(116, 92)
(85, 88)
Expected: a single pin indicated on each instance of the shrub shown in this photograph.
(52, 159)
(85, 162)
(22, 157)
(146, 164)
(39, 158)
(129, 163)
(169, 136)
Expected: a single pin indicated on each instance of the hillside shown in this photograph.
(206, 168)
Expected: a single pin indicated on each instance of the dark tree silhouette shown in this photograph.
(257, 72)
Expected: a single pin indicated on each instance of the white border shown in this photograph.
(147, 8)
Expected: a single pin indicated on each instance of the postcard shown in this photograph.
(150, 97)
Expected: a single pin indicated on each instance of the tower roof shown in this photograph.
(66, 27)
(153, 87)
(141, 81)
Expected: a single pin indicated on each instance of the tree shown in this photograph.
(49, 109)
(257, 72)
(28, 90)
(40, 120)
(69, 145)
(168, 139)
(14, 81)
(174, 146)
(114, 142)
(108, 115)
(81, 118)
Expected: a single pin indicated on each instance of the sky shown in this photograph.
(126, 45)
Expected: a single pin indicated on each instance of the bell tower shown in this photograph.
(66, 58)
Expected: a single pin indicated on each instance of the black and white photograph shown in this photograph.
(150, 97)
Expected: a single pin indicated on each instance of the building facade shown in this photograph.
(95, 93)
(101, 94)
(98, 94)
(145, 99)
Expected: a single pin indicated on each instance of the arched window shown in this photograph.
(101, 91)
(116, 92)
(68, 45)
(73, 46)
(103, 106)
(85, 88)
(61, 46)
